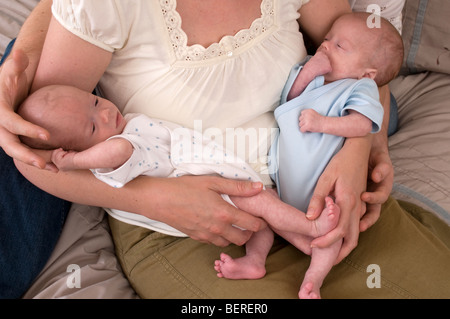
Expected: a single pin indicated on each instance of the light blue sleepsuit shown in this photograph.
(298, 159)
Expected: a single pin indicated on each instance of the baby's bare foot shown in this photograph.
(328, 219)
(308, 291)
(239, 268)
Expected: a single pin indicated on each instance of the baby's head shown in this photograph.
(75, 119)
(357, 50)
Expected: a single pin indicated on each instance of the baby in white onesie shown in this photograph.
(89, 132)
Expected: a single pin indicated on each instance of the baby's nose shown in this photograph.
(105, 115)
(324, 46)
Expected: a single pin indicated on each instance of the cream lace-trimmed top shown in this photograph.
(227, 90)
(227, 44)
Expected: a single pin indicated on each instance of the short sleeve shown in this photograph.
(118, 177)
(365, 100)
(103, 23)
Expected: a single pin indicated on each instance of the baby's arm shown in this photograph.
(319, 64)
(352, 125)
(112, 153)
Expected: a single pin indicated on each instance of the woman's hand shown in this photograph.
(345, 178)
(381, 171)
(13, 89)
(360, 206)
(379, 187)
(194, 205)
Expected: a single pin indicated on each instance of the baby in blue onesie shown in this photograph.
(332, 96)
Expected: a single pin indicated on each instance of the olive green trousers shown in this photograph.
(406, 254)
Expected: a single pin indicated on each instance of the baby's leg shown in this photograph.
(322, 260)
(253, 264)
(287, 221)
(326, 222)
(283, 217)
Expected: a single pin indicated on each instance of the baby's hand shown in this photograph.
(310, 121)
(63, 160)
(319, 64)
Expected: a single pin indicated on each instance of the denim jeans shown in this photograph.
(393, 117)
(30, 225)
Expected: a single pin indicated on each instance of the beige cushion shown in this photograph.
(420, 150)
(426, 34)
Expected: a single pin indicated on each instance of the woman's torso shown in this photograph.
(227, 78)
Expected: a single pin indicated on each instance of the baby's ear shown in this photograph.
(370, 73)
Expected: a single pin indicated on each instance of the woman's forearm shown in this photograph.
(381, 169)
(79, 186)
(317, 17)
(82, 187)
(380, 140)
(32, 35)
(191, 204)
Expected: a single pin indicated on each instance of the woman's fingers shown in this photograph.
(13, 88)
(324, 188)
(15, 149)
(12, 125)
(16, 125)
(240, 220)
(370, 217)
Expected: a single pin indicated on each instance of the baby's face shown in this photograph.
(87, 119)
(347, 46)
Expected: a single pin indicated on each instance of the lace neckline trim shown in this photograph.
(225, 46)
